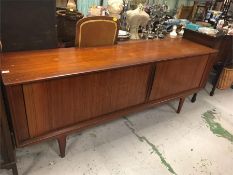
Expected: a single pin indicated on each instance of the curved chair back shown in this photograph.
(96, 31)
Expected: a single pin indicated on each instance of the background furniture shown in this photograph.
(28, 25)
(222, 5)
(96, 85)
(61, 3)
(96, 31)
(200, 10)
(222, 43)
(66, 26)
(7, 148)
(185, 12)
(226, 78)
(195, 12)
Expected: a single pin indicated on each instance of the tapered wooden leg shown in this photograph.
(180, 104)
(14, 170)
(62, 145)
(194, 98)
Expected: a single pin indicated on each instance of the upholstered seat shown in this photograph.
(96, 31)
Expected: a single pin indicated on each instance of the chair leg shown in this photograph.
(194, 98)
(181, 102)
(62, 145)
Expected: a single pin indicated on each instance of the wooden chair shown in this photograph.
(190, 12)
(96, 31)
(200, 10)
(185, 12)
(222, 5)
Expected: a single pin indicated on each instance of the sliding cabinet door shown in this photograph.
(63, 102)
(176, 76)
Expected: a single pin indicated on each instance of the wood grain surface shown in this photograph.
(25, 67)
(55, 104)
(176, 76)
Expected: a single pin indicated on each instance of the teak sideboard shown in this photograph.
(53, 93)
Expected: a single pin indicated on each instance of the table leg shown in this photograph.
(14, 169)
(194, 98)
(62, 145)
(181, 102)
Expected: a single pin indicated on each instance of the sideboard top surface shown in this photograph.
(30, 66)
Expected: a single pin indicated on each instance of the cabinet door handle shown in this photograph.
(151, 80)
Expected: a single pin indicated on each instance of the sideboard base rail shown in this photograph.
(9, 166)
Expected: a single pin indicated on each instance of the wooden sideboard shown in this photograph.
(53, 93)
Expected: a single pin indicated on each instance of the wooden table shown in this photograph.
(53, 93)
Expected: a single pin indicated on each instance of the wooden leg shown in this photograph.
(215, 81)
(14, 170)
(180, 104)
(212, 91)
(10, 166)
(194, 98)
(62, 145)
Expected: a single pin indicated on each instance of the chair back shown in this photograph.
(96, 31)
(185, 12)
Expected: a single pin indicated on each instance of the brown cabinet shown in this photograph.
(68, 90)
